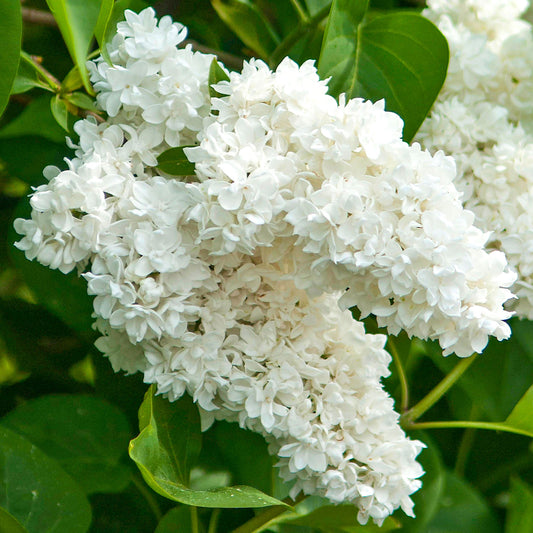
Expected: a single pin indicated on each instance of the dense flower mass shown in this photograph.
(484, 118)
(226, 284)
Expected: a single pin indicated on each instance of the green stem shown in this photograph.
(303, 27)
(148, 496)
(194, 519)
(213, 521)
(262, 520)
(401, 374)
(437, 393)
(494, 426)
(302, 15)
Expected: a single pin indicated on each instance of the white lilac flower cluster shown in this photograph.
(226, 284)
(484, 118)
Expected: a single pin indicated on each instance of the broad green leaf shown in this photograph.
(37, 491)
(462, 509)
(249, 24)
(35, 119)
(216, 74)
(520, 512)
(177, 519)
(11, 31)
(521, 416)
(59, 110)
(9, 524)
(175, 162)
(166, 448)
(401, 57)
(77, 21)
(80, 100)
(100, 30)
(84, 434)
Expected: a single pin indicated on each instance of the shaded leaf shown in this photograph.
(246, 455)
(520, 513)
(9, 524)
(11, 31)
(37, 491)
(401, 57)
(77, 21)
(166, 448)
(35, 119)
(249, 24)
(81, 100)
(85, 435)
(59, 110)
(462, 509)
(174, 162)
(216, 75)
(177, 519)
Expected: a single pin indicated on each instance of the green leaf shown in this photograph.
(216, 75)
(401, 57)
(169, 444)
(84, 434)
(177, 519)
(521, 416)
(80, 100)
(102, 24)
(462, 509)
(520, 513)
(59, 110)
(9, 524)
(28, 77)
(77, 21)
(175, 162)
(37, 491)
(246, 455)
(249, 24)
(11, 31)
(35, 119)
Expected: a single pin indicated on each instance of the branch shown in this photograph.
(230, 60)
(36, 16)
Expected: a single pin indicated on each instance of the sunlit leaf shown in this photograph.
(102, 24)
(77, 21)
(166, 448)
(11, 31)
(59, 110)
(401, 57)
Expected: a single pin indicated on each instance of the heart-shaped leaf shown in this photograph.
(167, 447)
